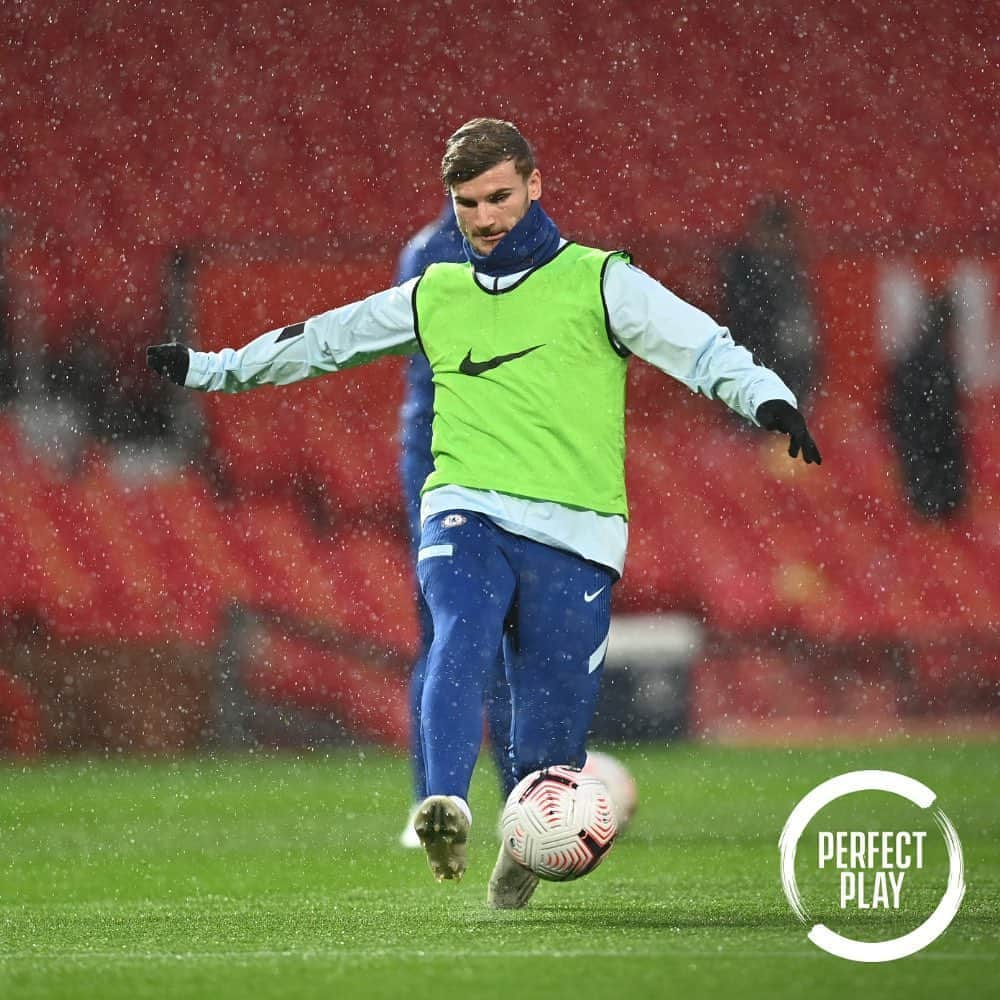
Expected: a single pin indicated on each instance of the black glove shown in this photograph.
(169, 360)
(777, 415)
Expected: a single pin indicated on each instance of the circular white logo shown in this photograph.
(871, 781)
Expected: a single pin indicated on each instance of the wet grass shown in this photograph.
(280, 876)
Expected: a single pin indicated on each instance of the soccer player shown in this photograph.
(524, 518)
(438, 242)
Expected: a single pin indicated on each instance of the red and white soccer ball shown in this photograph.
(618, 781)
(559, 823)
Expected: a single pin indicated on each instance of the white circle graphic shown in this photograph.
(872, 781)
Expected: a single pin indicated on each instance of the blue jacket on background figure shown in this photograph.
(438, 242)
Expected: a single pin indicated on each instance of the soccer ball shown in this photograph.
(559, 823)
(615, 777)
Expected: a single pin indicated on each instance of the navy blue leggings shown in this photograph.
(547, 609)
(415, 466)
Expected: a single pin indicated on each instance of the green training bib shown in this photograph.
(529, 387)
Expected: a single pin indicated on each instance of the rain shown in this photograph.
(210, 610)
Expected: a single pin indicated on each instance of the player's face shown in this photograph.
(490, 205)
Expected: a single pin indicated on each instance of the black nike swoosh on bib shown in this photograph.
(470, 367)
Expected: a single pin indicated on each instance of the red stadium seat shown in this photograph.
(285, 551)
(170, 179)
(57, 585)
(212, 565)
(351, 442)
(147, 574)
(372, 572)
(368, 700)
(299, 188)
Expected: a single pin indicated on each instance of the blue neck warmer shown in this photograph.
(533, 241)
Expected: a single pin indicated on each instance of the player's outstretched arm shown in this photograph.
(341, 338)
(778, 415)
(690, 346)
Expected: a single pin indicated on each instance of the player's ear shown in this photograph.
(535, 184)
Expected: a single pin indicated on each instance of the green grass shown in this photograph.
(279, 876)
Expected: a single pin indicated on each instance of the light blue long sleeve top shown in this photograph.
(644, 317)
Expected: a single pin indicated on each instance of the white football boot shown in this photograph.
(442, 824)
(511, 885)
(408, 838)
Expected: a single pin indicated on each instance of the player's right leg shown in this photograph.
(556, 655)
(468, 584)
(511, 886)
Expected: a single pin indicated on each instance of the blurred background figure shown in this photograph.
(8, 374)
(766, 302)
(925, 415)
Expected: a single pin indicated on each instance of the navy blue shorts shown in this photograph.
(548, 610)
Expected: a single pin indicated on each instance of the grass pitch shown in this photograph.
(280, 876)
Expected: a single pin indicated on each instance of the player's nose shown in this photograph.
(484, 218)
